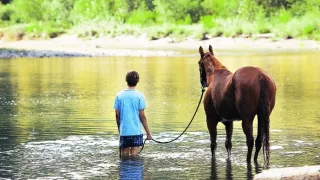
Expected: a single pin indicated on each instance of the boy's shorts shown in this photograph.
(131, 141)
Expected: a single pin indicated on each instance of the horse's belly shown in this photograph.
(230, 120)
(226, 109)
(229, 114)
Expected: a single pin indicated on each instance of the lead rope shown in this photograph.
(165, 142)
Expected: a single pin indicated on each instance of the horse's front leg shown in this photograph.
(212, 127)
(212, 119)
(229, 130)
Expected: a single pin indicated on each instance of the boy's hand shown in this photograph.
(149, 137)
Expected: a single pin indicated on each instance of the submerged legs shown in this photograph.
(212, 120)
(259, 138)
(212, 126)
(229, 130)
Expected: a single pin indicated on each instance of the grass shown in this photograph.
(307, 27)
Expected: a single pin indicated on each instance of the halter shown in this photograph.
(201, 69)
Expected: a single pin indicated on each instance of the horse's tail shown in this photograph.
(264, 113)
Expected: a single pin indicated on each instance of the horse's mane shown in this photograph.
(216, 63)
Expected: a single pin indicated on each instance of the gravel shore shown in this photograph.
(71, 46)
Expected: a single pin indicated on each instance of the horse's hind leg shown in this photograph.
(259, 138)
(228, 143)
(247, 129)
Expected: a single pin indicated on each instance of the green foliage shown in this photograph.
(22, 11)
(84, 10)
(28, 11)
(307, 26)
(142, 18)
(180, 11)
(43, 30)
(301, 7)
(6, 12)
(283, 16)
(261, 22)
(208, 22)
(163, 18)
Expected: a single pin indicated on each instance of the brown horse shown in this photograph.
(239, 96)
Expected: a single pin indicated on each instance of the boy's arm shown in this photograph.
(118, 119)
(143, 120)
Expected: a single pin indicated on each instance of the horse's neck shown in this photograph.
(218, 75)
(221, 73)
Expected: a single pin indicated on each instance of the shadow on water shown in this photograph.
(131, 168)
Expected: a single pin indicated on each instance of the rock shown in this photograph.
(290, 173)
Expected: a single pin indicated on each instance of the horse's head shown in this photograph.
(207, 64)
(205, 61)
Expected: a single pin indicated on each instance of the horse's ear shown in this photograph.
(210, 49)
(201, 52)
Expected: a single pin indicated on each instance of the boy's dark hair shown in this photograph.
(132, 78)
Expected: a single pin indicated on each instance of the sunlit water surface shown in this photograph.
(57, 119)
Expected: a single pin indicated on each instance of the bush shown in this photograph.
(44, 30)
(6, 12)
(142, 18)
(208, 22)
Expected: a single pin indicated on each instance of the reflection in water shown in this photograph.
(229, 169)
(131, 168)
(214, 173)
(249, 171)
(227, 173)
(217, 171)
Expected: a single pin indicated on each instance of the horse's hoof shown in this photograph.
(229, 153)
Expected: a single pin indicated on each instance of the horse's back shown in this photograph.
(247, 82)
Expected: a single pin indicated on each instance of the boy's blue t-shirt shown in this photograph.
(128, 102)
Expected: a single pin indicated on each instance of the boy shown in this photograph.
(129, 106)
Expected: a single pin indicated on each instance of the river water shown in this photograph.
(57, 119)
